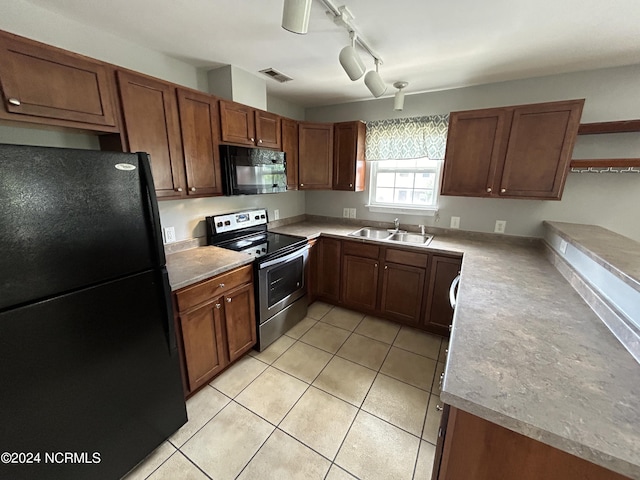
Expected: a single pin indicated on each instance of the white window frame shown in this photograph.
(428, 210)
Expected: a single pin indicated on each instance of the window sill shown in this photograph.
(425, 211)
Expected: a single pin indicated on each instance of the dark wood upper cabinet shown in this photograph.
(315, 156)
(513, 152)
(349, 167)
(438, 312)
(152, 125)
(47, 85)
(290, 149)
(244, 125)
(199, 125)
(268, 130)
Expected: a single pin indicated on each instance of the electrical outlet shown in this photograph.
(345, 213)
(563, 246)
(352, 213)
(501, 226)
(455, 222)
(169, 235)
(276, 214)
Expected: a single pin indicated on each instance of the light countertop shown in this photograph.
(527, 353)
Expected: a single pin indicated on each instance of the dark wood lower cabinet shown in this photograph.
(438, 312)
(359, 282)
(470, 447)
(328, 274)
(216, 325)
(402, 292)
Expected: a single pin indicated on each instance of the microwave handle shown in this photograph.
(285, 258)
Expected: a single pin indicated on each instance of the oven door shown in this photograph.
(281, 282)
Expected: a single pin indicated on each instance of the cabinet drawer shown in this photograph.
(359, 249)
(214, 287)
(405, 257)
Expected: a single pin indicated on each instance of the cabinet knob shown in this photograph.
(260, 141)
(302, 184)
(439, 408)
(376, 265)
(252, 139)
(503, 190)
(386, 267)
(228, 299)
(351, 184)
(218, 306)
(489, 190)
(179, 189)
(193, 189)
(14, 101)
(221, 285)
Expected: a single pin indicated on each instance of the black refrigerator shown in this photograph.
(90, 380)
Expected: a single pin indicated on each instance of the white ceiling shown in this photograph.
(433, 45)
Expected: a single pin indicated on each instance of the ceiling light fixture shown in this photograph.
(351, 61)
(374, 81)
(398, 101)
(295, 16)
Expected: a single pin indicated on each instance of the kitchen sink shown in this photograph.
(411, 238)
(374, 233)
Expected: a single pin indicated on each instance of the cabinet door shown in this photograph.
(328, 273)
(202, 341)
(290, 149)
(199, 127)
(539, 149)
(268, 130)
(315, 156)
(402, 292)
(439, 314)
(240, 321)
(237, 123)
(475, 148)
(43, 83)
(152, 126)
(311, 274)
(359, 282)
(349, 168)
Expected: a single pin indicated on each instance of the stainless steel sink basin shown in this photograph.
(375, 233)
(411, 238)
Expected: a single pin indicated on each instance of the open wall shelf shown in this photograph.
(621, 126)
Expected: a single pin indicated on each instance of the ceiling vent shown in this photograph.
(276, 75)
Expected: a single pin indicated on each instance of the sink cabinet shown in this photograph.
(216, 325)
(401, 284)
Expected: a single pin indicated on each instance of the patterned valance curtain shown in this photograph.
(407, 138)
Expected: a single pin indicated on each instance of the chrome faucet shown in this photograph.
(396, 224)
(421, 229)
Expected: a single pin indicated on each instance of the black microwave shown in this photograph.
(250, 171)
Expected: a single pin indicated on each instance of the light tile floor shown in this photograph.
(340, 396)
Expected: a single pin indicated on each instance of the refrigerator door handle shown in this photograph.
(147, 184)
(170, 329)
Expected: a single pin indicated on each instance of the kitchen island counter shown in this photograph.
(527, 353)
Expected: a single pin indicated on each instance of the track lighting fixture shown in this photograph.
(295, 15)
(398, 101)
(351, 61)
(374, 81)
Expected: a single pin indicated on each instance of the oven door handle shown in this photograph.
(285, 258)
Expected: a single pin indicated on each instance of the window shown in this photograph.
(401, 153)
(405, 184)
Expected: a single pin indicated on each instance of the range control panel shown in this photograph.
(235, 221)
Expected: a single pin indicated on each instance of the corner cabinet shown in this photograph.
(47, 85)
(315, 156)
(216, 324)
(438, 313)
(349, 167)
(511, 152)
(290, 149)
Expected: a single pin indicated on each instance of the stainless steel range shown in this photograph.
(279, 268)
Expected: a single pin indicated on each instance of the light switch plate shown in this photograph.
(455, 222)
(352, 213)
(276, 214)
(169, 235)
(345, 213)
(500, 227)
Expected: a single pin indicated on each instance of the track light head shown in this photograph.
(295, 15)
(374, 82)
(351, 61)
(398, 101)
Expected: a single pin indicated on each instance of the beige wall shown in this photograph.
(609, 200)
